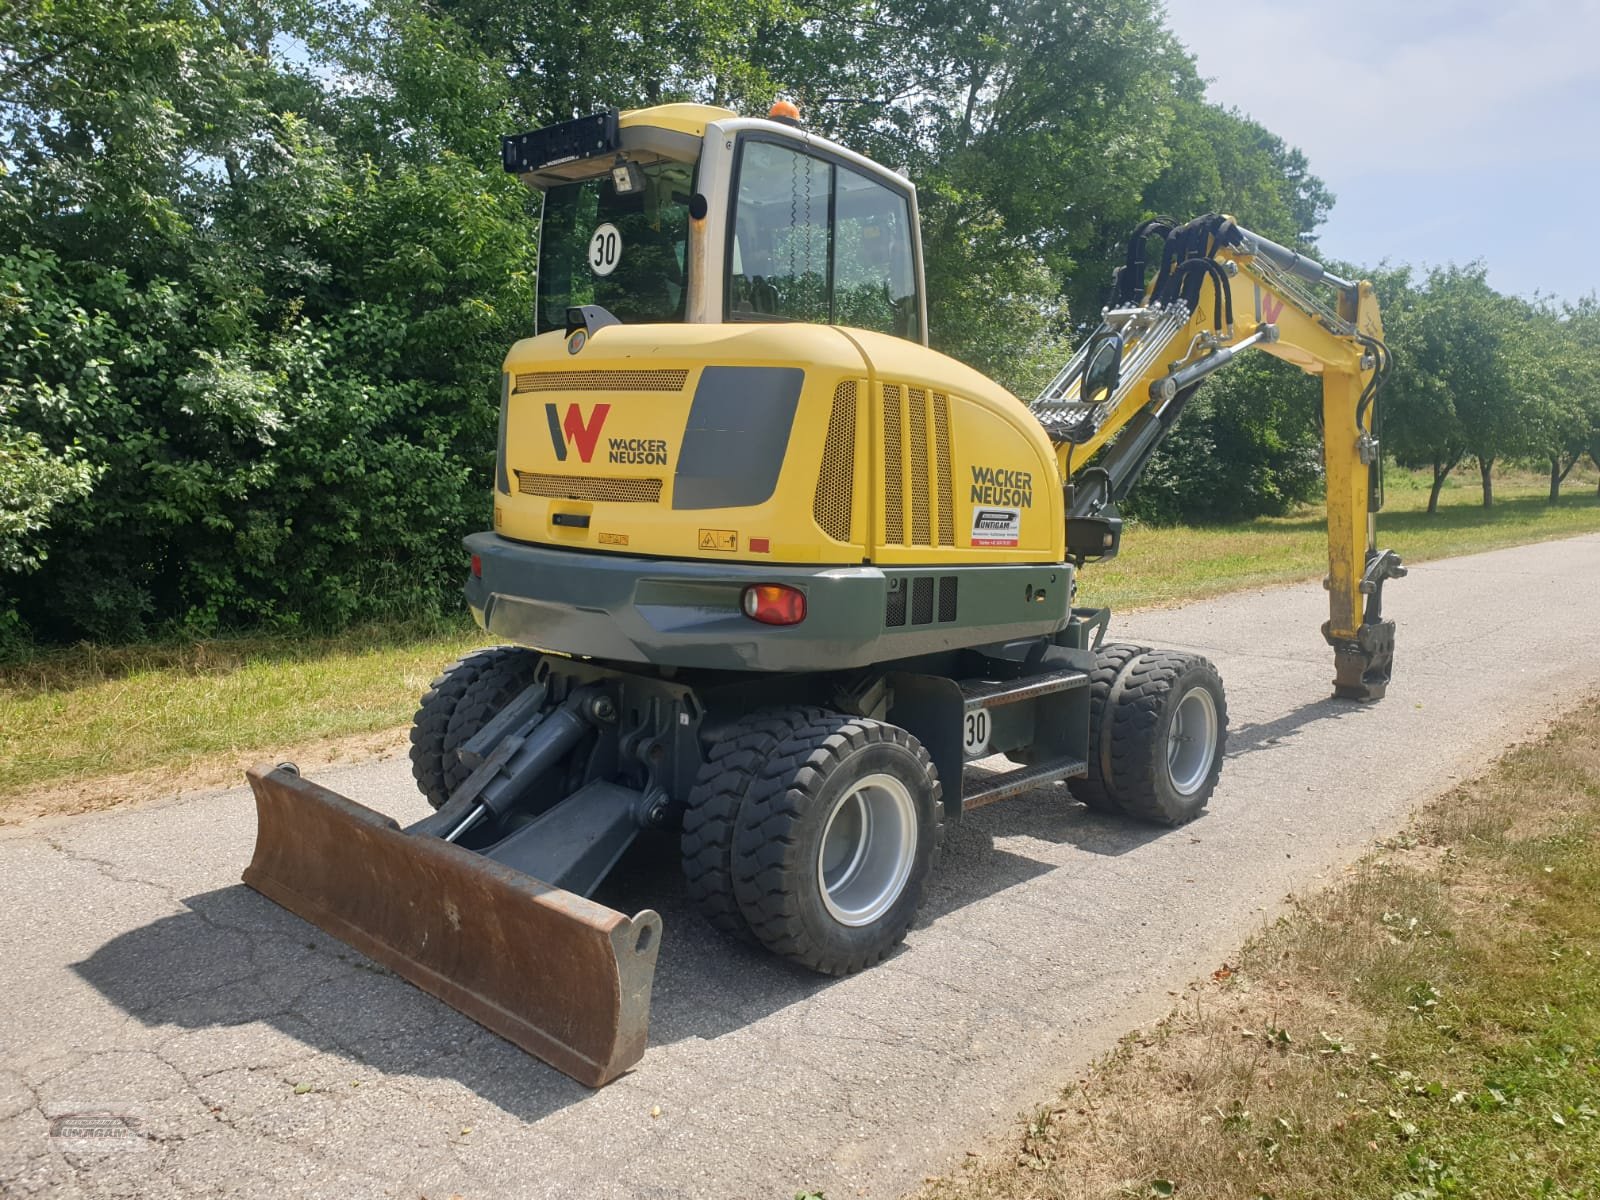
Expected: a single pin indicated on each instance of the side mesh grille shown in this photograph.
(929, 477)
(894, 470)
(602, 381)
(921, 533)
(836, 479)
(589, 487)
(941, 449)
(894, 609)
(914, 598)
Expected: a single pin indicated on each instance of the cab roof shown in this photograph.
(680, 118)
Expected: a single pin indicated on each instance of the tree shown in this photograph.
(1557, 369)
(271, 317)
(1581, 326)
(1464, 334)
(1247, 445)
(1418, 417)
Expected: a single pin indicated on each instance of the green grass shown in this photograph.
(1428, 1028)
(1167, 565)
(73, 716)
(143, 719)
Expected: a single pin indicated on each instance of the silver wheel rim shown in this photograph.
(868, 844)
(1192, 741)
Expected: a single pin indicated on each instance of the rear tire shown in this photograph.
(836, 841)
(1094, 790)
(431, 724)
(711, 814)
(1169, 728)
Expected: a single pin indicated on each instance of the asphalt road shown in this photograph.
(256, 1056)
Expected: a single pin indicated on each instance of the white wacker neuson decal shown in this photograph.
(996, 526)
(605, 249)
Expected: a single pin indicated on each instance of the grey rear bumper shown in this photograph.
(686, 613)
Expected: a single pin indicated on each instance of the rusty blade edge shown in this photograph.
(633, 969)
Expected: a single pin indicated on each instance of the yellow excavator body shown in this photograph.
(772, 574)
(645, 441)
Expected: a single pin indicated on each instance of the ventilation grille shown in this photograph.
(589, 487)
(602, 381)
(914, 598)
(836, 479)
(894, 609)
(894, 470)
(928, 477)
(947, 505)
(921, 531)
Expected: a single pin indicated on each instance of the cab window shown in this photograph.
(818, 241)
(627, 253)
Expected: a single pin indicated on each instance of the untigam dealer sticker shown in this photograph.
(996, 526)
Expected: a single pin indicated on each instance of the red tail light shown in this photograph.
(477, 566)
(775, 604)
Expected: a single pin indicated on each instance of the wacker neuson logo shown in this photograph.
(574, 430)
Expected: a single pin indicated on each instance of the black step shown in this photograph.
(991, 693)
(978, 790)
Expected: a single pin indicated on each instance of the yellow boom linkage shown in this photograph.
(1221, 290)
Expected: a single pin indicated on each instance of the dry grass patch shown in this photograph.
(1429, 1027)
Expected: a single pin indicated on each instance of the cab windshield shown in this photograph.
(626, 253)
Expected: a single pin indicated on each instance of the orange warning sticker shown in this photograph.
(719, 539)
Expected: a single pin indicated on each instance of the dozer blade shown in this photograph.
(561, 976)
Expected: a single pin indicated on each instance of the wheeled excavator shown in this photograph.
(771, 576)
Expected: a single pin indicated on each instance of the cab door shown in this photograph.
(814, 237)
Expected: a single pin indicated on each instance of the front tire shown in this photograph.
(1169, 729)
(711, 814)
(836, 841)
(1094, 789)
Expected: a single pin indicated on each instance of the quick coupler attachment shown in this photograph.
(562, 977)
(1363, 664)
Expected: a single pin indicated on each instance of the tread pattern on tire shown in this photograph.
(1094, 790)
(497, 685)
(766, 863)
(1135, 714)
(711, 813)
(432, 720)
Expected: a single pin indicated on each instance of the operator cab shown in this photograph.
(688, 213)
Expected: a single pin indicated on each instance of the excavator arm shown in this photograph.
(1218, 291)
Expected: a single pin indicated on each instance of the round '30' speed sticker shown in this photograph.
(605, 249)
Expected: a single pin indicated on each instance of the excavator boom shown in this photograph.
(1220, 291)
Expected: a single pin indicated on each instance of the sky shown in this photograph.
(1448, 130)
